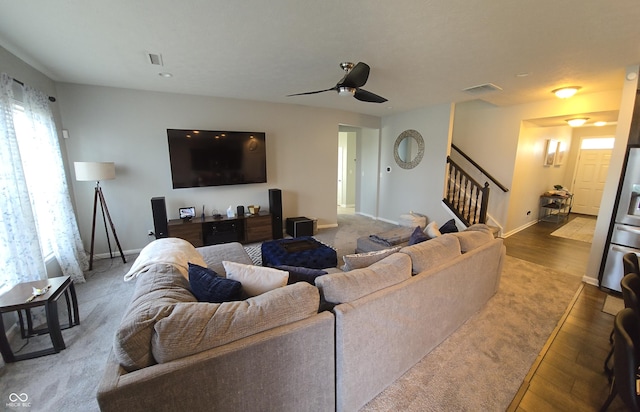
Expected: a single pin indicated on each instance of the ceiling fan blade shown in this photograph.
(357, 77)
(315, 92)
(367, 96)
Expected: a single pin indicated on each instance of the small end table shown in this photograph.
(18, 299)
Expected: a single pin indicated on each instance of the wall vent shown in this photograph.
(483, 88)
(156, 59)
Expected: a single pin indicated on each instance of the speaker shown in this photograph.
(240, 211)
(159, 210)
(275, 208)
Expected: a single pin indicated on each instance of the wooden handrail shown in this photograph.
(466, 198)
(480, 168)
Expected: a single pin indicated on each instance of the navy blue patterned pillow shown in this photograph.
(207, 286)
(449, 227)
(417, 236)
(301, 274)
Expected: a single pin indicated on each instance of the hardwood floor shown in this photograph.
(568, 375)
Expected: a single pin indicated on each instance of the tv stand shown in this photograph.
(212, 231)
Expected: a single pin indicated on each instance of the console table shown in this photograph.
(555, 208)
(212, 231)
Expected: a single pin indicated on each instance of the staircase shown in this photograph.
(466, 198)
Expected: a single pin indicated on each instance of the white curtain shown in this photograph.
(22, 227)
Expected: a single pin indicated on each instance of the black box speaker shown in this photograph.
(299, 226)
(159, 210)
(275, 208)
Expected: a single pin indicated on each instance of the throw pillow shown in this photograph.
(449, 227)
(207, 286)
(418, 236)
(301, 274)
(362, 260)
(255, 279)
(432, 230)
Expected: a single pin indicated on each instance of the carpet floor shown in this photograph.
(480, 367)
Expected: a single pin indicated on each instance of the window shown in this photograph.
(33, 157)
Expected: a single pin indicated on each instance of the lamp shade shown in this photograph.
(95, 171)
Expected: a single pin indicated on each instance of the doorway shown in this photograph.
(590, 174)
(358, 170)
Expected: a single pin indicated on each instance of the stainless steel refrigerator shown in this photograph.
(624, 233)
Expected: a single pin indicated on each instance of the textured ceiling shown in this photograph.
(421, 52)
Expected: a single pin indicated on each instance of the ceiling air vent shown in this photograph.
(483, 88)
(156, 59)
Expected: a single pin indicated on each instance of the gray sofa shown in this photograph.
(387, 316)
(383, 332)
(270, 352)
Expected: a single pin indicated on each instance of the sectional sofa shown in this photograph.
(275, 351)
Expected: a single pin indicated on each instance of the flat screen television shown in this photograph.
(215, 158)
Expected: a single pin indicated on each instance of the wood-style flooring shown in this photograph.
(568, 375)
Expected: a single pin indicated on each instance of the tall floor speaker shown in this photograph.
(159, 209)
(275, 208)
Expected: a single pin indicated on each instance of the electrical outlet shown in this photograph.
(150, 233)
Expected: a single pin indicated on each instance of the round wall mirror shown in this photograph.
(408, 149)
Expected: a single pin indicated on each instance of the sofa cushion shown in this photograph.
(362, 260)
(214, 255)
(392, 237)
(349, 286)
(449, 227)
(207, 286)
(301, 274)
(255, 279)
(418, 236)
(432, 230)
(157, 291)
(195, 327)
(438, 251)
(473, 238)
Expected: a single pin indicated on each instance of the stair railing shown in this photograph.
(466, 198)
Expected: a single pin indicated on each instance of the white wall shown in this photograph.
(627, 103)
(498, 128)
(531, 178)
(419, 189)
(129, 128)
(368, 171)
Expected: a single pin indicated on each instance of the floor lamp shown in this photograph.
(97, 171)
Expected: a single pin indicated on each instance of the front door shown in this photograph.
(589, 180)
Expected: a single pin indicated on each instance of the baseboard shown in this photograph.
(519, 229)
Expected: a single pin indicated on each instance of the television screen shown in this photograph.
(215, 158)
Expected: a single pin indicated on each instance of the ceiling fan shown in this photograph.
(350, 84)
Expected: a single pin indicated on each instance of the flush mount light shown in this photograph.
(577, 121)
(566, 92)
(600, 124)
(165, 74)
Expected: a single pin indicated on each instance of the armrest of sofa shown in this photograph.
(291, 367)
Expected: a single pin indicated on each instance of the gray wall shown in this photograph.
(128, 127)
(419, 189)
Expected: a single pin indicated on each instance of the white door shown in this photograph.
(588, 184)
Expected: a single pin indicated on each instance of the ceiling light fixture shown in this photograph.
(165, 74)
(600, 123)
(566, 92)
(346, 91)
(577, 121)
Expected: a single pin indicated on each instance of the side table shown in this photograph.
(18, 299)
